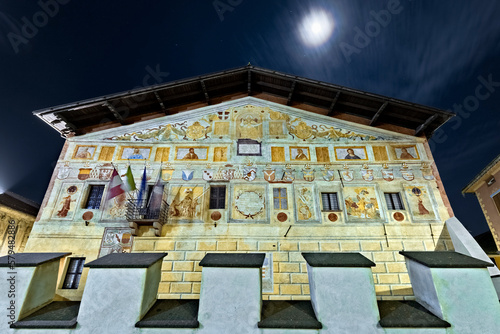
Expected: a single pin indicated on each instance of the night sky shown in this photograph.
(442, 54)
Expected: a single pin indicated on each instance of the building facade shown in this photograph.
(250, 160)
(487, 190)
(17, 215)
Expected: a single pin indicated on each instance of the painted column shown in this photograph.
(231, 295)
(343, 292)
(456, 288)
(120, 289)
(27, 283)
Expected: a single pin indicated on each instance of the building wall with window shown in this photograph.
(17, 215)
(486, 187)
(249, 175)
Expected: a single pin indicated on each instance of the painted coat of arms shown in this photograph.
(407, 173)
(64, 172)
(249, 173)
(187, 174)
(347, 175)
(288, 174)
(308, 173)
(84, 173)
(105, 173)
(166, 174)
(269, 174)
(367, 174)
(388, 174)
(427, 172)
(208, 174)
(328, 174)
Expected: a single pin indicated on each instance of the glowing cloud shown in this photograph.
(316, 27)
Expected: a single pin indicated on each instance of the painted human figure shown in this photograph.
(65, 207)
(300, 155)
(191, 154)
(421, 208)
(136, 155)
(405, 154)
(84, 153)
(351, 155)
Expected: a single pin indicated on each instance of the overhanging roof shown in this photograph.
(328, 99)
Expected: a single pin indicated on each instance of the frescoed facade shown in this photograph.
(250, 174)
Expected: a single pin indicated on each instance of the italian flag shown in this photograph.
(116, 186)
(129, 184)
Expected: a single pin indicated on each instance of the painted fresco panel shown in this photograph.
(249, 202)
(361, 203)
(277, 154)
(107, 153)
(351, 153)
(305, 203)
(220, 154)
(185, 202)
(115, 208)
(419, 201)
(408, 152)
(84, 152)
(191, 153)
(162, 154)
(67, 201)
(300, 153)
(116, 240)
(134, 153)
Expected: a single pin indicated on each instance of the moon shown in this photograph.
(316, 27)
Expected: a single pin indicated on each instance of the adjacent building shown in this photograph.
(486, 187)
(246, 160)
(17, 215)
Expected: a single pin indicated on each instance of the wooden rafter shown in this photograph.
(205, 92)
(421, 128)
(290, 95)
(115, 113)
(334, 102)
(378, 113)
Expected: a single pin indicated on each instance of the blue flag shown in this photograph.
(142, 189)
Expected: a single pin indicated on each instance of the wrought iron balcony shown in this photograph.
(142, 213)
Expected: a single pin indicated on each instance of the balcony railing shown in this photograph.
(141, 213)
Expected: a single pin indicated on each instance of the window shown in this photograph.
(496, 199)
(394, 201)
(217, 197)
(330, 201)
(280, 199)
(95, 196)
(74, 273)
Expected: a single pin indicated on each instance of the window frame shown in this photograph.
(77, 273)
(89, 194)
(393, 204)
(220, 202)
(280, 199)
(336, 199)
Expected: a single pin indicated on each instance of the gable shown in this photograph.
(245, 118)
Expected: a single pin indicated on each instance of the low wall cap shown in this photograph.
(29, 259)
(445, 260)
(337, 260)
(233, 260)
(126, 260)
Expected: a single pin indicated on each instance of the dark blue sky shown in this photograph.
(433, 53)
